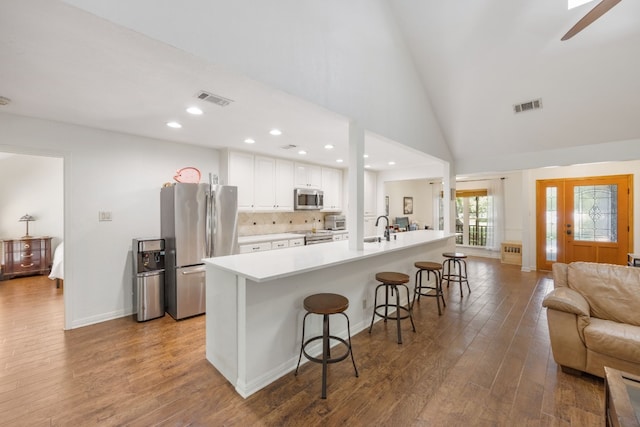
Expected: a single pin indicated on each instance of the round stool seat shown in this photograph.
(326, 303)
(428, 265)
(392, 278)
(454, 255)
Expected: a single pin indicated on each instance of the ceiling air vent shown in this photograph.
(288, 146)
(529, 105)
(215, 99)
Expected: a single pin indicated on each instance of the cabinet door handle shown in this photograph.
(30, 265)
(27, 255)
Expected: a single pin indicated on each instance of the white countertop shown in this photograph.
(270, 265)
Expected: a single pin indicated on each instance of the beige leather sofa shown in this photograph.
(594, 317)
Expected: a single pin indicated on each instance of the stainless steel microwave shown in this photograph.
(307, 199)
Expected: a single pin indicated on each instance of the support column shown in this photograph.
(356, 186)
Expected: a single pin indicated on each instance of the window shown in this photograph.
(472, 217)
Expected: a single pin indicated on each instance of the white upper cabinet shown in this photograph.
(264, 183)
(308, 176)
(332, 188)
(370, 186)
(284, 185)
(240, 173)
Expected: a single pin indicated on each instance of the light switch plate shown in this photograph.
(104, 216)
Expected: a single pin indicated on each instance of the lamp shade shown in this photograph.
(26, 217)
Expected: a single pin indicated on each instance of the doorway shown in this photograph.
(584, 219)
(33, 184)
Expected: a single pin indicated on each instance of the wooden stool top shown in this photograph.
(428, 265)
(454, 255)
(392, 278)
(326, 303)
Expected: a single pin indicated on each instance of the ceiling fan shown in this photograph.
(595, 13)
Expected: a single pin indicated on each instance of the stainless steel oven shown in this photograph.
(306, 199)
(319, 236)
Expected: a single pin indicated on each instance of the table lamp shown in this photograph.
(27, 218)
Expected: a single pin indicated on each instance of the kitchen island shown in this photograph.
(254, 300)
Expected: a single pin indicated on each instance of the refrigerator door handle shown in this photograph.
(208, 228)
(194, 271)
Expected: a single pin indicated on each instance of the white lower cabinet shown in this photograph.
(255, 247)
(340, 236)
(296, 242)
(270, 245)
(280, 244)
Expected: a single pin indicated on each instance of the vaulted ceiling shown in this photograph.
(475, 60)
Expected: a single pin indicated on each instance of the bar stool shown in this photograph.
(390, 282)
(326, 305)
(422, 290)
(459, 274)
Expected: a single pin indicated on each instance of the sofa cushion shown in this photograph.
(613, 291)
(618, 340)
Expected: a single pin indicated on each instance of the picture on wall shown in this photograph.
(408, 205)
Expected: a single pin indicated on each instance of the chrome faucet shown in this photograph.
(386, 229)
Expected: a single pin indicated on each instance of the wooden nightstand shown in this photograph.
(26, 256)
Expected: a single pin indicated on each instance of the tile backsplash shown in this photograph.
(251, 223)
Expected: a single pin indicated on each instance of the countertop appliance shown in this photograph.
(148, 278)
(335, 222)
(306, 199)
(197, 221)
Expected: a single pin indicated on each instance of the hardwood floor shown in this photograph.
(486, 361)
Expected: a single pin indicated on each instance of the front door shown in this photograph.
(584, 219)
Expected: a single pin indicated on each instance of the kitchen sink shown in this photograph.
(372, 239)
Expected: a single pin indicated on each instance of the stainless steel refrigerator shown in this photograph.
(197, 221)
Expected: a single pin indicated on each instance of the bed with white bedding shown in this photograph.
(57, 268)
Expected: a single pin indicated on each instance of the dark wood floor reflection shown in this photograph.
(486, 361)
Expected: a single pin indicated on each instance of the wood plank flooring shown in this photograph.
(486, 361)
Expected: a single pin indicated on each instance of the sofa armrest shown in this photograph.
(560, 274)
(567, 316)
(567, 300)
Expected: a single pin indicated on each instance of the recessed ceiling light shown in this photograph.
(275, 132)
(250, 141)
(194, 110)
(302, 152)
(365, 156)
(367, 166)
(174, 125)
(391, 163)
(339, 160)
(329, 147)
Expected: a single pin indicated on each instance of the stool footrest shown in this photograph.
(329, 360)
(388, 317)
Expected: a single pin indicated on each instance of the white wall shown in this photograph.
(421, 191)
(33, 185)
(103, 171)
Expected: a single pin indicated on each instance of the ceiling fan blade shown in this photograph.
(595, 13)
